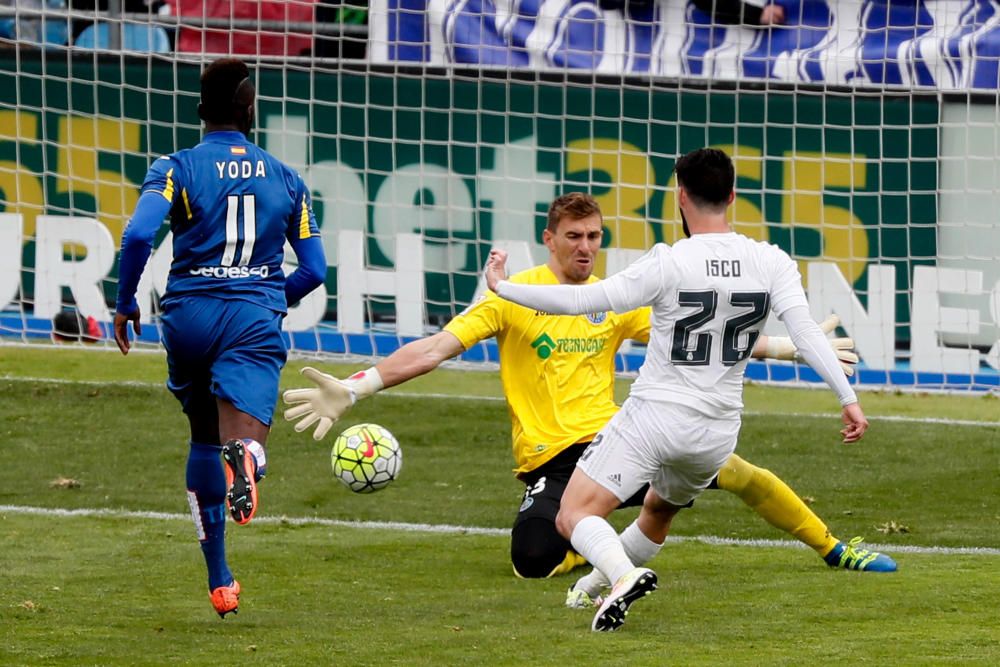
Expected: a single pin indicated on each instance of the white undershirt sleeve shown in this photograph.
(637, 285)
(816, 351)
(557, 299)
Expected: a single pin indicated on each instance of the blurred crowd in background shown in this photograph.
(311, 28)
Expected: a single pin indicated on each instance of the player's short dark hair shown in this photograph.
(708, 176)
(226, 91)
(572, 205)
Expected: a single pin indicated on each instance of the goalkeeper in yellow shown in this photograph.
(558, 376)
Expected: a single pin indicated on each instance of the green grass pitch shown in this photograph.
(327, 582)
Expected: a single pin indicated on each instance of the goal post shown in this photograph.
(886, 195)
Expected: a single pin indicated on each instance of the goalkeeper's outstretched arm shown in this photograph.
(418, 357)
(331, 398)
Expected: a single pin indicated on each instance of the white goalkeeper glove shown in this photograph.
(329, 400)
(781, 347)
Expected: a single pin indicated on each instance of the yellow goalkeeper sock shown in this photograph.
(771, 498)
(572, 561)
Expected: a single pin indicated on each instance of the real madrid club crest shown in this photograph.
(597, 318)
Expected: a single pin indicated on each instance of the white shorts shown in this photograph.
(678, 451)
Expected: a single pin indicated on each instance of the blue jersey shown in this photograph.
(232, 206)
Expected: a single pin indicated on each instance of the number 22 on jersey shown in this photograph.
(698, 352)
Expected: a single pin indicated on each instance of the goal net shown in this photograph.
(864, 135)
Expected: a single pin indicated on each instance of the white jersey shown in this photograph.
(710, 295)
(713, 297)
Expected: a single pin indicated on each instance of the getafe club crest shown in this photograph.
(597, 318)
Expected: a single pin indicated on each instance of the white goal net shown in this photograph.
(865, 135)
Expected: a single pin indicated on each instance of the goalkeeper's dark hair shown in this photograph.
(708, 176)
(227, 93)
(572, 205)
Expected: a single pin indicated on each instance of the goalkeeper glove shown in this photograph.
(781, 347)
(329, 400)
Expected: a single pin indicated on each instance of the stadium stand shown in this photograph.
(31, 25)
(945, 44)
(244, 37)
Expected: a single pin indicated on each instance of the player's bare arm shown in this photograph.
(418, 357)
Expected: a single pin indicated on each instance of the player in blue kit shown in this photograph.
(232, 206)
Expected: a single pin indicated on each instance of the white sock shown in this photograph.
(595, 539)
(639, 549)
(259, 456)
(591, 583)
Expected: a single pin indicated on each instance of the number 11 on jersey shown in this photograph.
(249, 220)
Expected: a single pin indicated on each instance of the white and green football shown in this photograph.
(366, 457)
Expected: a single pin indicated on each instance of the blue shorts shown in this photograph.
(229, 349)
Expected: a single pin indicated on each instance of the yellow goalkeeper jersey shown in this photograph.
(558, 371)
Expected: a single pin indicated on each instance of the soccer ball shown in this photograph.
(366, 458)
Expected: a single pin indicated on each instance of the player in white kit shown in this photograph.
(710, 295)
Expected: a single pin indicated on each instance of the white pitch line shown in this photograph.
(273, 520)
(884, 418)
(496, 399)
(464, 530)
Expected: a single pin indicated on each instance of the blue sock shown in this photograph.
(206, 483)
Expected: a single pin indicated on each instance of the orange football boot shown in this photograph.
(226, 599)
(242, 496)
